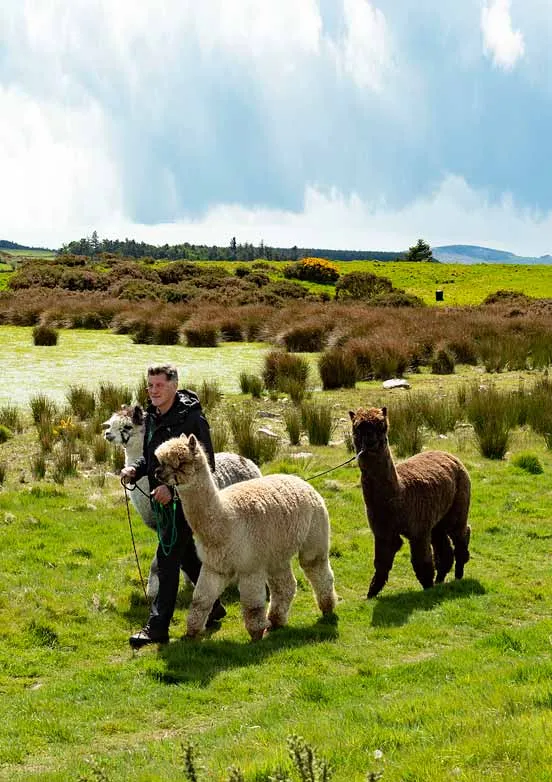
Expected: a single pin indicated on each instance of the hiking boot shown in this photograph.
(218, 612)
(146, 636)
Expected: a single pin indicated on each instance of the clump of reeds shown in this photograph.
(317, 420)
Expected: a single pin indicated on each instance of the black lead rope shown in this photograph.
(133, 541)
(332, 468)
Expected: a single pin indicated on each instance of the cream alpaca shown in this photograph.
(126, 428)
(249, 532)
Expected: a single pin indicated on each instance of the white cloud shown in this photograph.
(504, 44)
(363, 51)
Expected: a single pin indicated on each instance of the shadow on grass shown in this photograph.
(395, 610)
(137, 612)
(198, 661)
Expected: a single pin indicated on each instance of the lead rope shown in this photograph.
(133, 542)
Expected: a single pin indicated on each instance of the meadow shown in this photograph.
(452, 683)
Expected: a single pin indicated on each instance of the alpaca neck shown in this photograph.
(133, 449)
(379, 473)
(202, 506)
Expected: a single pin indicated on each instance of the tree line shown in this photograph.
(234, 251)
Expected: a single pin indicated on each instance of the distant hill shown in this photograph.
(5, 245)
(468, 253)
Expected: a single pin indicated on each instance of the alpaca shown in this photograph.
(425, 499)
(249, 532)
(126, 428)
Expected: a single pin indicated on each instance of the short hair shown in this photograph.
(169, 370)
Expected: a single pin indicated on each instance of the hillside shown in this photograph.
(467, 253)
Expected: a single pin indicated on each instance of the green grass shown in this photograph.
(451, 683)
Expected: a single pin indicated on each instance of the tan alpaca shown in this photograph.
(425, 499)
(126, 428)
(249, 532)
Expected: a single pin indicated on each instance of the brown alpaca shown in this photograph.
(425, 499)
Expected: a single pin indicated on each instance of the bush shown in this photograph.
(281, 368)
(231, 330)
(5, 434)
(292, 420)
(202, 335)
(307, 338)
(528, 462)
(45, 336)
(313, 270)
(362, 286)
(11, 417)
(442, 362)
(490, 414)
(318, 423)
(81, 401)
(251, 384)
(43, 409)
(249, 443)
(38, 466)
(338, 369)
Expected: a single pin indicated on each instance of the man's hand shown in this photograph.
(162, 494)
(128, 474)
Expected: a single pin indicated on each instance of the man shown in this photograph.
(170, 414)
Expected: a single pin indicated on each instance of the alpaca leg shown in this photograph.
(320, 574)
(252, 597)
(282, 586)
(421, 557)
(461, 543)
(442, 552)
(384, 555)
(152, 587)
(210, 585)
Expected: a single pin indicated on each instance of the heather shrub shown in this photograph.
(337, 368)
(396, 298)
(361, 286)
(45, 335)
(231, 330)
(442, 362)
(305, 338)
(281, 367)
(166, 331)
(201, 335)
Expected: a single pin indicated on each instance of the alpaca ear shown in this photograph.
(352, 415)
(137, 415)
(192, 443)
(384, 411)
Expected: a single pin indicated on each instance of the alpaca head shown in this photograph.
(125, 425)
(369, 430)
(180, 458)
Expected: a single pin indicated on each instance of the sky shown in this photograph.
(352, 124)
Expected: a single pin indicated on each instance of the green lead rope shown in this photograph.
(165, 518)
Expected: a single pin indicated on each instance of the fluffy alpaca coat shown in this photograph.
(126, 428)
(249, 532)
(425, 499)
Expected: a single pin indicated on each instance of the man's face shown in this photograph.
(161, 391)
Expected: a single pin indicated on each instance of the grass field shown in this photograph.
(454, 683)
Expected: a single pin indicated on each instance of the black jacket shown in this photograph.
(184, 417)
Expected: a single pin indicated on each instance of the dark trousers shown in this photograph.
(173, 553)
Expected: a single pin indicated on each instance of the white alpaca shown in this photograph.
(126, 428)
(249, 532)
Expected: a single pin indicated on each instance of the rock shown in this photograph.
(397, 382)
